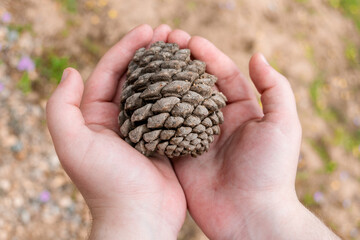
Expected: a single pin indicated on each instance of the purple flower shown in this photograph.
(346, 203)
(44, 196)
(26, 64)
(6, 17)
(318, 197)
(354, 232)
(229, 5)
(357, 121)
(344, 175)
(1, 87)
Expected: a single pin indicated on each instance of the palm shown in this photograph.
(153, 179)
(107, 170)
(223, 185)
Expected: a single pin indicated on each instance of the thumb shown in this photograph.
(64, 118)
(277, 96)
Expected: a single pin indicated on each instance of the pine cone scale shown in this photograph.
(168, 104)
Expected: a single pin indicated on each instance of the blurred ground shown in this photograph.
(315, 43)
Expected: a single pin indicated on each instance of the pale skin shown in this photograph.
(242, 188)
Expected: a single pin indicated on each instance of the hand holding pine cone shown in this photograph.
(168, 104)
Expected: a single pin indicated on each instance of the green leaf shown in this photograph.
(25, 83)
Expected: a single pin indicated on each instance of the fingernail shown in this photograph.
(264, 59)
(64, 75)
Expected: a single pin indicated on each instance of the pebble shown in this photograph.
(18, 201)
(9, 141)
(12, 36)
(54, 162)
(3, 235)
(17, 147)
(354, 232)
(5, 185)
(65, 202)
(25, 216)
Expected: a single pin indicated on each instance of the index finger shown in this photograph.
(230, 80)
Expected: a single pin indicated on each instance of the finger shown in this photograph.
(179, 37)
(103, 82)
(161, 33)
(230, 80)
(65, 121)
(276, 94)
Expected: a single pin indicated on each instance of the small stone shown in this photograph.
(25, 216)
(5, 185)
(18, 147)
(65, 202)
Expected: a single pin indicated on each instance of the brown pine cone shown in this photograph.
(168, 104)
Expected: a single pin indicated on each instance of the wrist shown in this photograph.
(266, 214)
(284, 219)
(129, 223)
(117, 227)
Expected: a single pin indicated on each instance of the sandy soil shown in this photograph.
(308, 41)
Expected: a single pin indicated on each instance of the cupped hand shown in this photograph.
(129, 195)
(251, 166)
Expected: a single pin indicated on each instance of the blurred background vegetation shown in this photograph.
(315, 43)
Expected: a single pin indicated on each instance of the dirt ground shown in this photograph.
(313, 43)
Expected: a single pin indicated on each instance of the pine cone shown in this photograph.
(168, 105)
